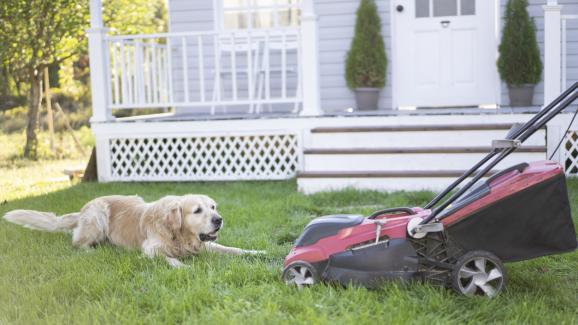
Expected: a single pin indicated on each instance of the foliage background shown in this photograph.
(70, 79)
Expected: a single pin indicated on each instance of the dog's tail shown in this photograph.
(44, 221)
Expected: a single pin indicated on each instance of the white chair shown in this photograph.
(232, 49)
(274, 46)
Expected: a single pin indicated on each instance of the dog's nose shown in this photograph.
(217, 221)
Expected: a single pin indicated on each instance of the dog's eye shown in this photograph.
(199, 210)
(213, 207)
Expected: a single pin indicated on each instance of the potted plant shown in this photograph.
(519, 64)
(366, 63)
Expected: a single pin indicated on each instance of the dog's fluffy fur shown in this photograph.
(172, 227)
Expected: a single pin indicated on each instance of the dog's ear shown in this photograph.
(174, 217)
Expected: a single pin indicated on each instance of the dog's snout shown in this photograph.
(217, 221)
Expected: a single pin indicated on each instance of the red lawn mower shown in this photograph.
(519, 213)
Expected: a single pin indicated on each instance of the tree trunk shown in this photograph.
(31, 147)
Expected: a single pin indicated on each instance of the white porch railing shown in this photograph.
(567, 20)
(206, 72)
(560, 68)
(139, 73)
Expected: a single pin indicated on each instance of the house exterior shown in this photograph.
(429, 65)
(256, 90)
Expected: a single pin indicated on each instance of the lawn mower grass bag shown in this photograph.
(526, 215)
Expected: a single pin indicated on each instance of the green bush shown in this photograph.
(14, 120)
(519, 61)
(366, 64)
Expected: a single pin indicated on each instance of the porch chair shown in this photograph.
(270, 49)
(225, 48)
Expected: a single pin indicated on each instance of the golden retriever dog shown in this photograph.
(172, 227)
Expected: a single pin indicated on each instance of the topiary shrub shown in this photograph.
(366, 63)
(519, 61)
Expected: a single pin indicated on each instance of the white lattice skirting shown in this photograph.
(570, 159)
(196, 158)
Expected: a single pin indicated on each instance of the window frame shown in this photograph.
(431, 9)
(249, 10)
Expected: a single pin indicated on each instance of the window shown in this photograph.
(444, 8)
(255, 14)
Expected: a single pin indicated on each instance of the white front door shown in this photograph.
(445, 53)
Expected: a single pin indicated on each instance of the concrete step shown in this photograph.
(429, 180)
(413, 136)
(379, 151)
(409, 159)
(417, 127)
(384, 174)
(403, 156)
(432, 180)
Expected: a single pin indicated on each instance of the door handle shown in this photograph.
(399, 8)
(445, 23)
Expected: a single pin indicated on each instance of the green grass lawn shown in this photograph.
(21, 178)
(43, 279)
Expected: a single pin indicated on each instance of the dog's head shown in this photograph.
(198, 215)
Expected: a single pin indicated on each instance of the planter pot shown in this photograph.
(521, 95)
(367, 99)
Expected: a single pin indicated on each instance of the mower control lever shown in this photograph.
(506, 144)
(430, 227)
(417, 230)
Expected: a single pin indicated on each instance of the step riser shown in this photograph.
(314, 185)
(393, 168)
(407, 162)
(414, 127)
(413, 139)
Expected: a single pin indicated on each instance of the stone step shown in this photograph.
(413, 150)
(409, 159)
(432, 180)
(415, 138)
(413, 128)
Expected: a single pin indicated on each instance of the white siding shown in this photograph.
(187, 15)
(336, 26)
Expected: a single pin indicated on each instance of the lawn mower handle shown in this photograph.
(391, 210)
(521, 134)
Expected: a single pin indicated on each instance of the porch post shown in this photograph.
(309, 72)
(552, 51)
(96, 47)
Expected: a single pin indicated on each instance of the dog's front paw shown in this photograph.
(173, 262)
(254, 252)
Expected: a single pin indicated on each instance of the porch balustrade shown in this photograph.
(558, 55)
(206, 72)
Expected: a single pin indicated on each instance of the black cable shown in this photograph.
(564, 135)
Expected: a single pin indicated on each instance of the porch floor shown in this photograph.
(382, 112)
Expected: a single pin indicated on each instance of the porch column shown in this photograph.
(309, 72)
(552, 51)
(96, 51)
